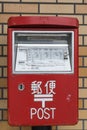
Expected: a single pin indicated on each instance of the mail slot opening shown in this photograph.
(43, 52)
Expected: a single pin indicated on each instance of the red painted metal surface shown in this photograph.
(37, 21)
(63, 110)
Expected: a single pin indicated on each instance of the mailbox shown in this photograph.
(42, 70)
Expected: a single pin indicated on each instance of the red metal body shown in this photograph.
(63, 110)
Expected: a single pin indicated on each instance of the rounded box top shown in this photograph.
(42, 21)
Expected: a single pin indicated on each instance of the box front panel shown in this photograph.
(42, 68)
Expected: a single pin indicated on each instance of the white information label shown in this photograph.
(44, 58)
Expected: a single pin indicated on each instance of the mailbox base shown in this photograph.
(41, 128)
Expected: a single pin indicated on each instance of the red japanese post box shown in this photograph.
(42, 70)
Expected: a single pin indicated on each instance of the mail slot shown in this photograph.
(42, 70)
